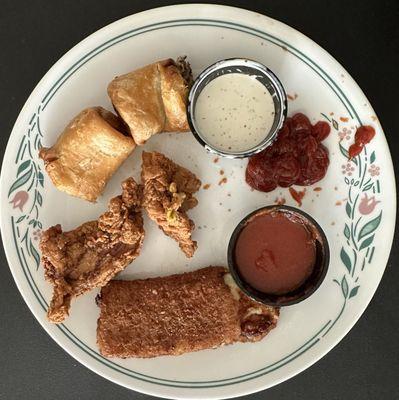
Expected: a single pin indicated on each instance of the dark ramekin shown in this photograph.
(243, 66)
(309, 286)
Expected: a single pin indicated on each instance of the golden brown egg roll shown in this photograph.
(87, 153)
(153, 99)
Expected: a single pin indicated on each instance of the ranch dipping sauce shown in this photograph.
(234, 112)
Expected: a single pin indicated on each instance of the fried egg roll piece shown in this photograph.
(87, 153)
(153, 99)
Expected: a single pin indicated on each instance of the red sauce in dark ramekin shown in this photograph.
(275, 252)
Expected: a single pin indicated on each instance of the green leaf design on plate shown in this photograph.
(35, 254)
(372, 157)
(23, 167)
(370, 227)
(347, 232)
(334, 123)
(325, 116)
(354, 291)
(348, 209)
(345, 153)
(20, 219)
(368, 187)
(346, 260)
(344, 287)
(20, 181)
(39, 198)
(366, 242)
(40, 178)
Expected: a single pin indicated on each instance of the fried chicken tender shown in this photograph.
(90, 255)
(168, 194)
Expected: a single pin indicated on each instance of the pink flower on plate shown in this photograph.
(37, 234)
(347, 169)
(374, 170)
(20, 199)
(344, 134)
(367, 205)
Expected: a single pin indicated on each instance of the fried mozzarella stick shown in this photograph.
(178, 314)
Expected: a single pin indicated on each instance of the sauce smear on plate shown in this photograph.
(297, 157)
(364, 135)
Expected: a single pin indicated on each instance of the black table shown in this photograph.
(362, 35)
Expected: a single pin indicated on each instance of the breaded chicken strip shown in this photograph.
(168, 194)
(90, 255)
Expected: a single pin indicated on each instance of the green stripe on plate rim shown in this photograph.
(202, 22)
(166, 382)
(46, 100)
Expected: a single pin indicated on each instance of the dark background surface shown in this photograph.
(362, 35)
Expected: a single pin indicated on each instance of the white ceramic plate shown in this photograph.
(356, 206)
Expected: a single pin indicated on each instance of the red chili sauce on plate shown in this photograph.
(297, 157)
(275, 252)
(364, 135)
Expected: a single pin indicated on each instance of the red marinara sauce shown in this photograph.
(296, 157)
(275, 253)
(364, 135)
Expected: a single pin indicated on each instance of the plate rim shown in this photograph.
(62, 61)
